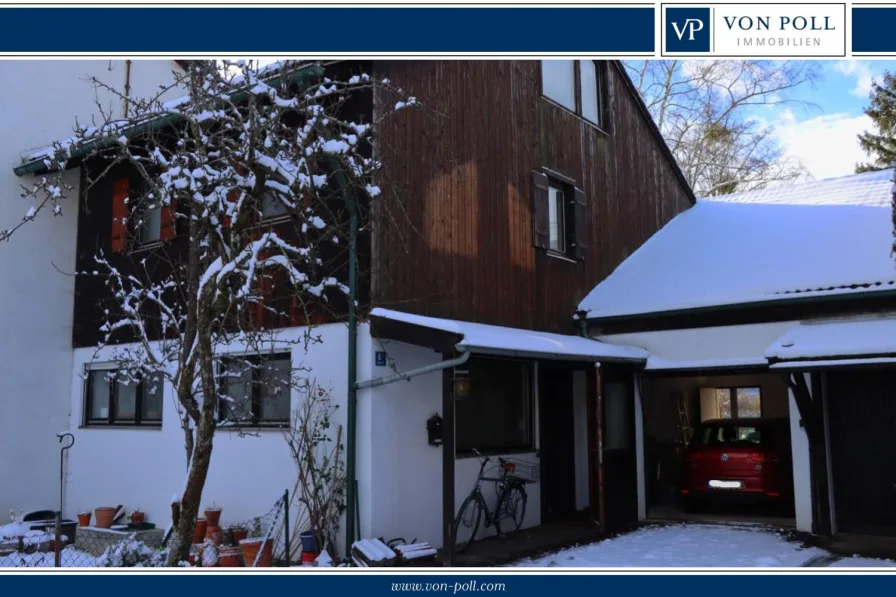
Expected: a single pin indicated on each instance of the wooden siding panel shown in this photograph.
(459, 242)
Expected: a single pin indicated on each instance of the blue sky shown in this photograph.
(823, 135)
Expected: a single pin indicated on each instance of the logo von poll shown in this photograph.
(687, 29)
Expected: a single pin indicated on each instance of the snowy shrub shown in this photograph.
(131, 554)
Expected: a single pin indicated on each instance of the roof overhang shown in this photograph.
(847, 342)
(43, 160)
(448, 335)
(783, 300)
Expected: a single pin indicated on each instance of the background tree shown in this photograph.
(706, 112)
(880, 146)
(239, 143)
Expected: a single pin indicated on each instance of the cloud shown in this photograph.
(827, 145)
(862, 74)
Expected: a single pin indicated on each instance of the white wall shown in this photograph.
(145, 468)
(41, 100)
(401, 480)
(711, 343)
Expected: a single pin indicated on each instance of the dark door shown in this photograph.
(558, 474)
(862, 421)
(620, 462)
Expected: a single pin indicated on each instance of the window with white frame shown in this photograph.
(255, 389)
(576, 85)
(115, 397)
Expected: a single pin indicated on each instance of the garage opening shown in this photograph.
(717, 448)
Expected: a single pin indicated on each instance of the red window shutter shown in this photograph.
(169, 222)
(120, 190)
(232, 196)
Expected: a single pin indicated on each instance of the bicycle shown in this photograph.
(511, 505)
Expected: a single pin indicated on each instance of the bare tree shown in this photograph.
(243, 142)
(706, 111)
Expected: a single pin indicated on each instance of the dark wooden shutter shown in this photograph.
(580, 223)
(169, 222)
(540, 216)
(120, 190)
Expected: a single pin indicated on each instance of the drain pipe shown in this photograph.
(381, 381)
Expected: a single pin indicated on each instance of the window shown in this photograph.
(496, 414)
(558, 83)
(115, 398)
(149, 226)
(256, 390)
(728, 436)
(560, 216)
(590, 91)
(730, 403)
(272, 207)
(139, 220)
(556, 219)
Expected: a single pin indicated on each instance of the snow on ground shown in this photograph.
(690, 546)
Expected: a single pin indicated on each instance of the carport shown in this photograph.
(676, 398)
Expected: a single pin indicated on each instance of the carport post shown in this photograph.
(448, 466)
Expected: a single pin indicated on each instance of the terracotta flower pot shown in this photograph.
(214, 534)
(84, 519)
(199, 531)
(104, 516)
(238, 534)
(137, 518)
(230, 557)
(250, 549)
(213, 516)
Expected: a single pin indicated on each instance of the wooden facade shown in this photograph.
(455, 236)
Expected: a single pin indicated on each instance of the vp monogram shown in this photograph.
(691, 26)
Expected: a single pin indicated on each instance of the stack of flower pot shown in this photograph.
(213, 532)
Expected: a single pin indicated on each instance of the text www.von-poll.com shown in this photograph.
(470, 586)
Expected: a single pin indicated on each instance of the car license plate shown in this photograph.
(724, 484)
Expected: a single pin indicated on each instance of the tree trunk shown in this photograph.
(182, 539)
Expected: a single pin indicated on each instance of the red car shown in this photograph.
(738, 458)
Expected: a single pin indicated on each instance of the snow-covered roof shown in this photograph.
(493, 339)
(824, 237)
(871, 337)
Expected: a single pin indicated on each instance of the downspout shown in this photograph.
(381, 381)
(351, 494)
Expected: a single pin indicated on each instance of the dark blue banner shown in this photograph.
(356, 30)
(462, 584)
(873, 30)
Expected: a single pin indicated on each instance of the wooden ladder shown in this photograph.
(684, 425)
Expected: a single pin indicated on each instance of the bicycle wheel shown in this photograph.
(511, 509)
(467, 522)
